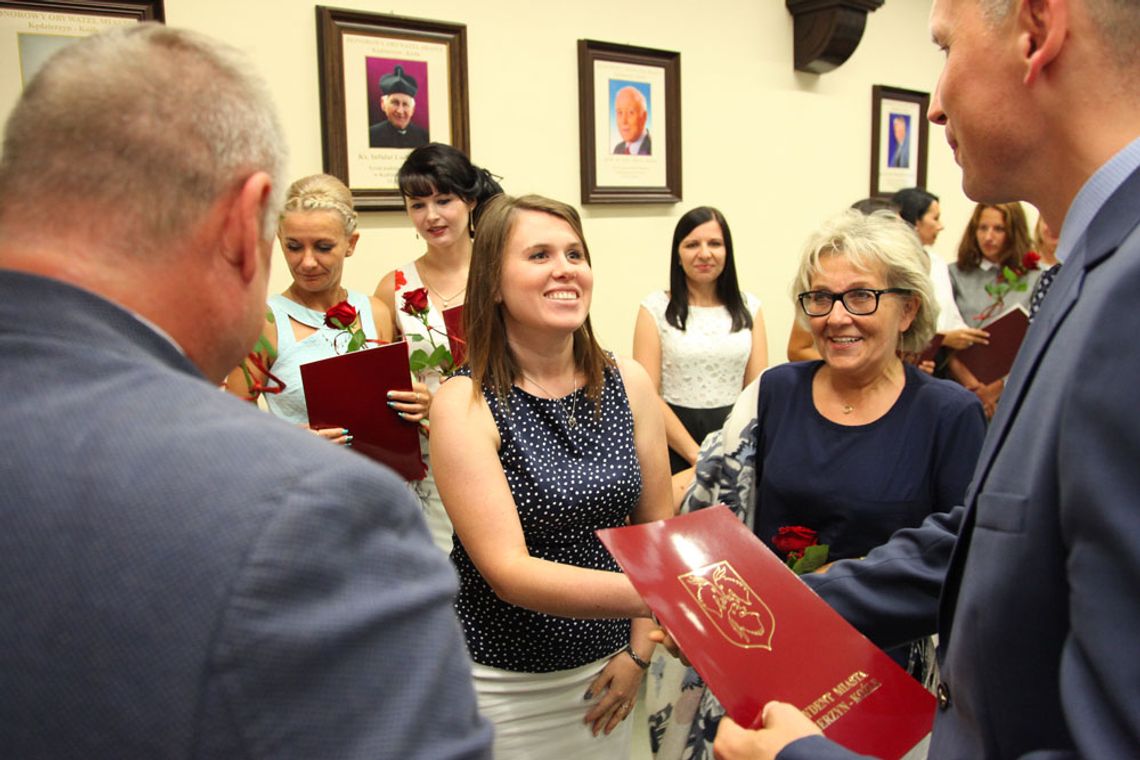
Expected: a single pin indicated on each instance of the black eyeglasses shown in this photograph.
(858, 301)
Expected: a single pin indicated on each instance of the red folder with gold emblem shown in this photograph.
(350, 391)
(755, 632)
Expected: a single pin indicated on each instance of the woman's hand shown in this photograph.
(989, 395)
(413, 405)
(615, 690)
(661, 636)
(964, 338)
(339, 436)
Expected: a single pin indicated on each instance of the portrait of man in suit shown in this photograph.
(899, 153)
(631, 115)
(398, 90)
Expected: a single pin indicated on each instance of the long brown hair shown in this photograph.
(489, 355)
(1017, 242)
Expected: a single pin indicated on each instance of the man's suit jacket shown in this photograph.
(646, 148)
(182, 575)
(1040, 609)
(900, 156)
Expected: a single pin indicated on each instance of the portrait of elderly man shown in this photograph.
(630, 114)
(398, 101)
(900, 141)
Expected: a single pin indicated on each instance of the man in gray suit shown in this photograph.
(1033, 583)
(181, 575)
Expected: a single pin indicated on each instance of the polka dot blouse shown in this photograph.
(567, 481)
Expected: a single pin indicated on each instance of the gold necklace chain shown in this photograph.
(440, 296)
(571, 419)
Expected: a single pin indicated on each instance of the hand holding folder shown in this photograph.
(755, 632)
(350, 390)
(993, 360)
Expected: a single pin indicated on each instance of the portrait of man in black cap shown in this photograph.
(398, 101)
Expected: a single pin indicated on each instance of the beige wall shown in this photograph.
(774, 149)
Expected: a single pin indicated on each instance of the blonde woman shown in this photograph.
(317, 233)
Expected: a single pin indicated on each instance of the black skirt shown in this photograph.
(699, 423)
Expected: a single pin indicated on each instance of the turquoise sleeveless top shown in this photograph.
(291, 353)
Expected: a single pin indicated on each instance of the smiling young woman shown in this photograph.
(541, 440)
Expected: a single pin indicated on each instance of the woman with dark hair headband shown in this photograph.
(443, 194)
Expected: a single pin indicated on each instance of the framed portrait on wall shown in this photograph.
(32, 30)
(629, 115)
(899, 132)
(389, 84)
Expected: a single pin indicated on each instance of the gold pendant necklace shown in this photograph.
(571, 419)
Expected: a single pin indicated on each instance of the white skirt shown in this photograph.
(541, 714)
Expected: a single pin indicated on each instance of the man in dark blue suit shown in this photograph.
(182, 575)
(1032, 584)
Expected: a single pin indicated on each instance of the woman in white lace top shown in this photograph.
(702, 340)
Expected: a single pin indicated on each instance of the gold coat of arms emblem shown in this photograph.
(730, 604)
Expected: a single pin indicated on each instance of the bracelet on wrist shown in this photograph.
(643, 664)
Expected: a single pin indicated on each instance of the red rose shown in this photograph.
(401, 280)
(793, 539)
(341, 316)
(1032, 258)
(415, 301)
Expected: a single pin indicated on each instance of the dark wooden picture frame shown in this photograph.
(655, 75)
(142, 10)
(435, 47)
(898, 159)
(30, 49)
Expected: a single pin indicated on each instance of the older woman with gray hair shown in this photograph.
(845, 450)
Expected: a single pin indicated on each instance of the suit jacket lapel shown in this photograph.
(1108, 228)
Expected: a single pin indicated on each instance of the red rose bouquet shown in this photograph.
(801, 548)
(416, 304)
(1011, 279)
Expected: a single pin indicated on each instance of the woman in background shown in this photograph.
(443, 192)
(540, 441)
(317, 233)
(702, 340)
(921, 210)
(996, 237)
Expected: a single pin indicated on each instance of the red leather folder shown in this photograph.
(755, 632)
(350, 391)
(453, 321)
(993, 361)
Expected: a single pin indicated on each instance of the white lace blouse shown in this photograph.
(702, 367)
